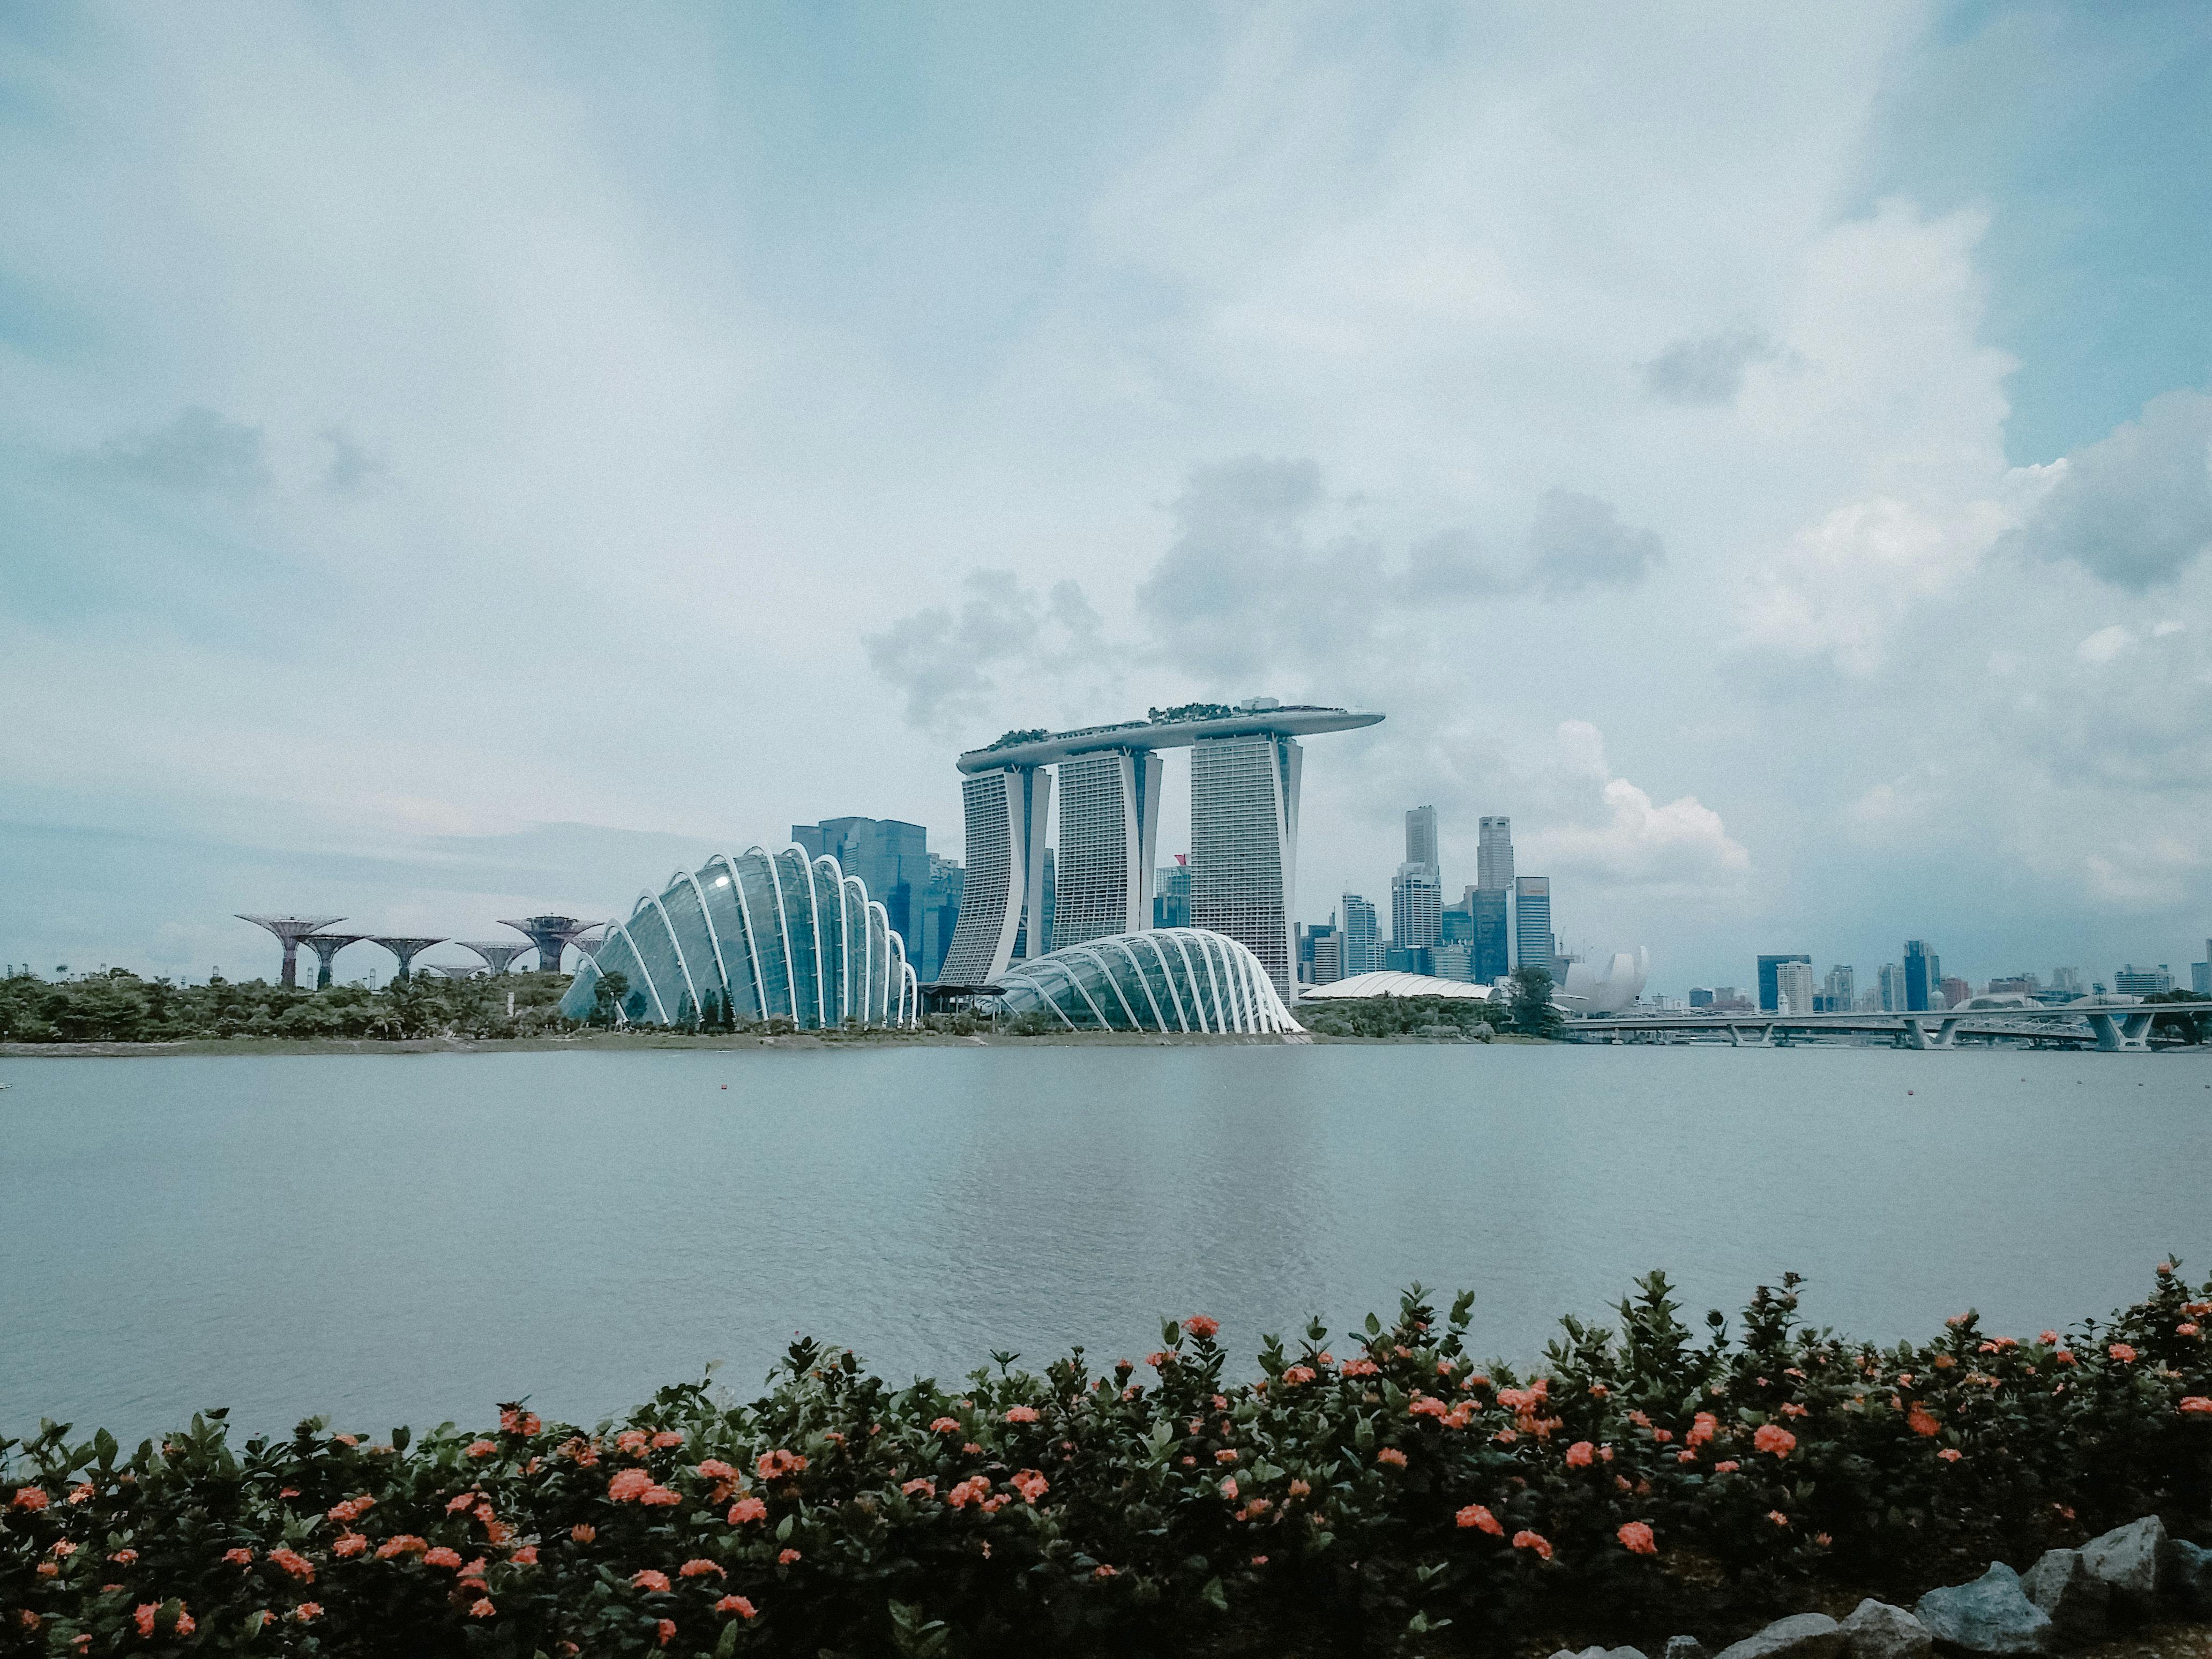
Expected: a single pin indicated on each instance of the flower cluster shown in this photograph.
(1398, 1486)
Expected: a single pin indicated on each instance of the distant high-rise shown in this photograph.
(1493, 936)
(912, 883)
(1841, 990)
(2068, 979)
(2133, 981)
(1493, 855)
(1793, 985)
(1416, 907)
(1244, 842)
(1006, 809)
(1172, 894)
(1451, 962)
(1768, 984)
(1701, 996)
(1421, 841)
(1109, 815)
(1327, 958)
(2200, 973)
(1892, 982)
(1532, 923)
(1923, 977)
(1956, 992)
(1363, 950)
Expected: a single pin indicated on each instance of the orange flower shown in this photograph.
(143, 1617)
(1777, 1517)
(944, 1426)
(2197, 1404)
(454, 1505)
(1921, 1420)
(660, 1497)
(1296, 1374)
(1533, 1541)
(307, 1612)
(482, 1607)
(775, 1465)
(784, 1557)
(1021, 1414)
(405, 1543)
(1727, 1468)
(1199, 1326)
(1703, 1427)
(632, 1441)
(736, 1604)
(1225, 1455)
(1103, 1571)
(666, 1629)
(483, 1448)
(239, 1558)
(583, 1532)
(1580, 1454)
(2188, 1330)
(1475, 1516)
(973, 1489)
(82, 1492)
(667, 1437)
(2048, 1338)
(648, 1579)
(349, 1543)
(294, 1563)
(1950, 1454)
(1391, 1455)
(921, 1487)
(1031, 1484)
(629, 1485)
(442, 1557)
(126, 1557)
(715, 1469)
(747, 1508)
(2121, 1351)
(1636, 1538)
(698, 1567)
(1772, 1437)
(352, 1509)
(524, 1557)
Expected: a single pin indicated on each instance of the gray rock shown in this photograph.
(1876, 1630)
(1802, 1636)
(2127, 1560)
(2188, 1577)
(1990, 1616)
(2062, 1584)
(1685, 1647)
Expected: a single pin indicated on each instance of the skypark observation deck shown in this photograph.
(2111, 1027)
(1245, 769)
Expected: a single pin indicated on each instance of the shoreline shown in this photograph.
(197, 1047)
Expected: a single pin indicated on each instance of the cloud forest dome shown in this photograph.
(758, 937)
(1165, 978)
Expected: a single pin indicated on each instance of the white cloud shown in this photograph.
(1617, 837)
(2106, 643)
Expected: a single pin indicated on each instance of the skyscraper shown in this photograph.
(1172, 894)
(1006, 819)
(1842, 989)
(1923, 974)
(914, 887)
(1890, 980)
(1532, 923)
(1416, 907)
(1493, 855)
(1244, 843)
(2200, 973)
(1327, 958)
(1110, 811)
(1421, 840)
(1768, 984)
(1492, 939)
(1363, 952)
(1793, 984)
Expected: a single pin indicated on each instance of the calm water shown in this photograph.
(406, 1238)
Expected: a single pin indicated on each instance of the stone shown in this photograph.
(2188, 1577)
(1802, 1636)
(2062, 1584)
(2127, 1560)
(1876, 1630)
(1685, 1647)
(1990, 1616)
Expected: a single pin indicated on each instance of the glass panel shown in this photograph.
(656, 950)
(580, 998)
(792, 875)
(729, 919)
(616, 955)
(753, 873)
(697, 942)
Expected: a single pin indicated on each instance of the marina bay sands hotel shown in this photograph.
(1244, 768)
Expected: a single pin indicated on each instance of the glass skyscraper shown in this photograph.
(1923, 975)
(919, 891)
(1532, 923)
(1769, 984)
(1493, 855)
(1362, 951)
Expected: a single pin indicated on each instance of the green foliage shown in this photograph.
(1532, 1011)
(1328, 1504)
(1190, 711)
(1030, 734)
(1385, 1016)
(119, 1007)
(2179, 1027)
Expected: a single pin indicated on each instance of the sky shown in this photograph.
(455, 464)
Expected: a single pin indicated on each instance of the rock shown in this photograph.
(1990, 1616)
(2062, 1584)
(2128, 1559)
(1685, 1647)
(1599, 1653)
(2187, 1579)
(1876, 1630)
(1803, 1636)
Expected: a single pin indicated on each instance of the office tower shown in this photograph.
(1793, 985)
(1700, 997)
(1451, 962)
(893, 859)
(1328, 958)
(1842, 989)
(1110, 811)
(1362, 951)
(1004, 810)
(1768, 966)
(1891, 981)
(2133, 981)
(1421, 841)
(1416, 907)
(1956, 992)
(1924, 974)
(1310, 942)
(1172, 894)
(1493, 855)
(1532, 923)
(2200, 973)
(1492, 939)
(1244, 843)
(2068, 979)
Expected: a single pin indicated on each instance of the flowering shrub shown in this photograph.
(1367, 1500)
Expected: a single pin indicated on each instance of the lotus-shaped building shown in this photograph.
(1165, 978)
(758, 937)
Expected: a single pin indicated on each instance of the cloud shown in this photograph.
(2104, 645)
(199, 452)
(353, 470)
(2136, 506)
(1709, 370)
(947, 661)
(1579, 542)
(1615, 836)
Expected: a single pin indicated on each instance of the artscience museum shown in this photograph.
(762, 936)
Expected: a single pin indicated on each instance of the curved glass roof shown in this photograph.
(1165, 978)
(1386, 983)
(762, 936)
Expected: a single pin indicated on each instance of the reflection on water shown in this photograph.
(412, 1237)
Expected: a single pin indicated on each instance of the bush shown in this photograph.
(1386, 1016)
(1365, 1502)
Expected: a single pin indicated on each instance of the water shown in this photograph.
(407, 1238)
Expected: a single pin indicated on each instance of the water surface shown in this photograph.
(412, 1237)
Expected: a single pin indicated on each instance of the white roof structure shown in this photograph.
(1388, 984)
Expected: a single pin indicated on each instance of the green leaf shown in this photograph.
(400, 1436)
(723, 1648)
(1214, 1596)
(783, 1528)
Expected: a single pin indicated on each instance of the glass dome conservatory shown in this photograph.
(1166, 979)
(759, 937)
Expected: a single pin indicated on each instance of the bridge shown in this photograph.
(2115, 1028)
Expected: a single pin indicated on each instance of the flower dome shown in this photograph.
(1165, 978)
(759, 937)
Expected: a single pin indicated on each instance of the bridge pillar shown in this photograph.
(1916, 1032)
(1764, 1040)
(1944, 1035)
(2121, 1034)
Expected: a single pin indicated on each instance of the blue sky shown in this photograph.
(457, 464)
